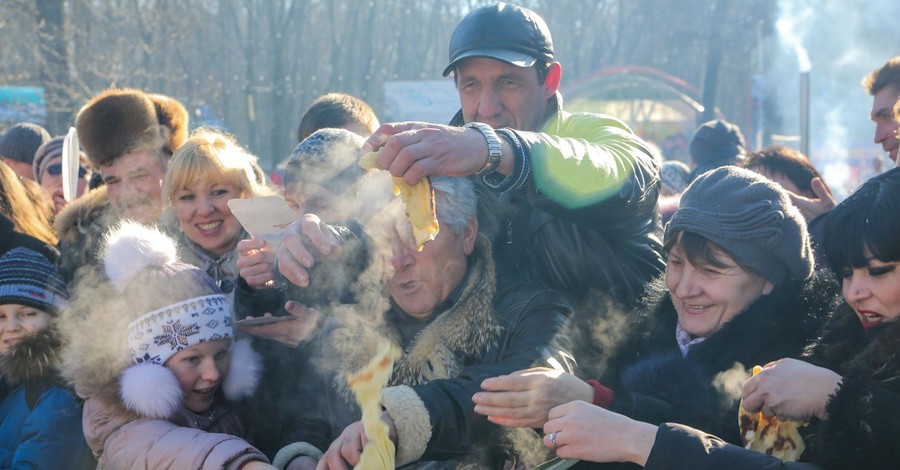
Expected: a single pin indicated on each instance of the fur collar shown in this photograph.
(90, 213)
(844, 345)
(456, 338)
(35, 358)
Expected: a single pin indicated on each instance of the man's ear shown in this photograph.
(554, 75)
(470, 233)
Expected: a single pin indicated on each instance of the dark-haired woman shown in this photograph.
(847, 385)
(738, 290)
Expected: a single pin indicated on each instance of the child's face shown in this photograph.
(200, 370)
(18, 322)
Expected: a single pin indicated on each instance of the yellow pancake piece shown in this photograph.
(770, 436)
(379, 451)
(418, 199)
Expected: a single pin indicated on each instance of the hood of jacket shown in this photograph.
(36, 357)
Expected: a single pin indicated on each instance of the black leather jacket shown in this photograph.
(609, 242)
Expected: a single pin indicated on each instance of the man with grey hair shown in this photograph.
(456, 323)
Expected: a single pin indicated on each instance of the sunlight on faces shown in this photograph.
(419, 281)
(204, 215)
(883, 117)
(200, 370)
(707, 297)
(18, 322)
(501, 95)
(134, 183)
(54, 186)
(873, 291)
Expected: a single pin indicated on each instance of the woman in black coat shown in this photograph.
(738, 291)
(847, 385)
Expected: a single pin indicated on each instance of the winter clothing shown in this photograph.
(40, 421)
(751, 218)
(29, 278)
(675, 177)
(654, 382)
(481, 331)
(504, 32)
(80, 227)
(610, 244)
(51, 149)
(120, 121)
(21, 141)
(121, 441)
(860, 430)
(327, 158)
(678, 447)
(714, 144)
(133, 402)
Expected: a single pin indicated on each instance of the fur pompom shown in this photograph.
(151, 391)
(130, 247)
(243, 375)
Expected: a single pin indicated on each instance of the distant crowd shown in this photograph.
(583, 298)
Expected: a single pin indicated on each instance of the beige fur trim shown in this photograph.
(411, 420)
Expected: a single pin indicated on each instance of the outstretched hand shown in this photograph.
(790, 389)
(524, 398)
(583, 431)
(412, 150)
(811, 208)
(305, 242)
(289, 332)
(256, 263)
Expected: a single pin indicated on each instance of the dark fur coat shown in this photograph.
(655, 383)
(863, 425)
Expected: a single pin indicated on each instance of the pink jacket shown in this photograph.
(121, 442)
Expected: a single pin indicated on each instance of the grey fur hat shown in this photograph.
(751, 218)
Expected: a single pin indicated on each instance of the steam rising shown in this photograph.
(846, 40)
(730, 382)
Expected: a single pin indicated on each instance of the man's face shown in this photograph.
(501, 95)
(421, 280)
(134, 182)
(882, 116)
(51, 181)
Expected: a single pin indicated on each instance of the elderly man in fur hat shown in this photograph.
(457, 324)
(129, 136)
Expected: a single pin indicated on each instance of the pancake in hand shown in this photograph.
(770, 436)
(379, 452)
(418, 199)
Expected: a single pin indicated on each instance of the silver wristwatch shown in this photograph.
(493, 143)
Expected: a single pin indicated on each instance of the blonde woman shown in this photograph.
(204, 174)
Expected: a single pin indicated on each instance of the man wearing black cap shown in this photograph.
(582, 187)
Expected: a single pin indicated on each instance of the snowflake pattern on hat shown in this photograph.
(156, 336)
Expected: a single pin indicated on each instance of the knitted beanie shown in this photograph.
(675, 177)
(29, 278)
(327, 158)
(716, 143)
(21, 141)
(751, 218)
(51, 149)
(174, 306)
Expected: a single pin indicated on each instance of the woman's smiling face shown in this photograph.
(707, 297)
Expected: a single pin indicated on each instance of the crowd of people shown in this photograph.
(582, 299)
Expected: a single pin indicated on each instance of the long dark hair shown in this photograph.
(865, 225)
